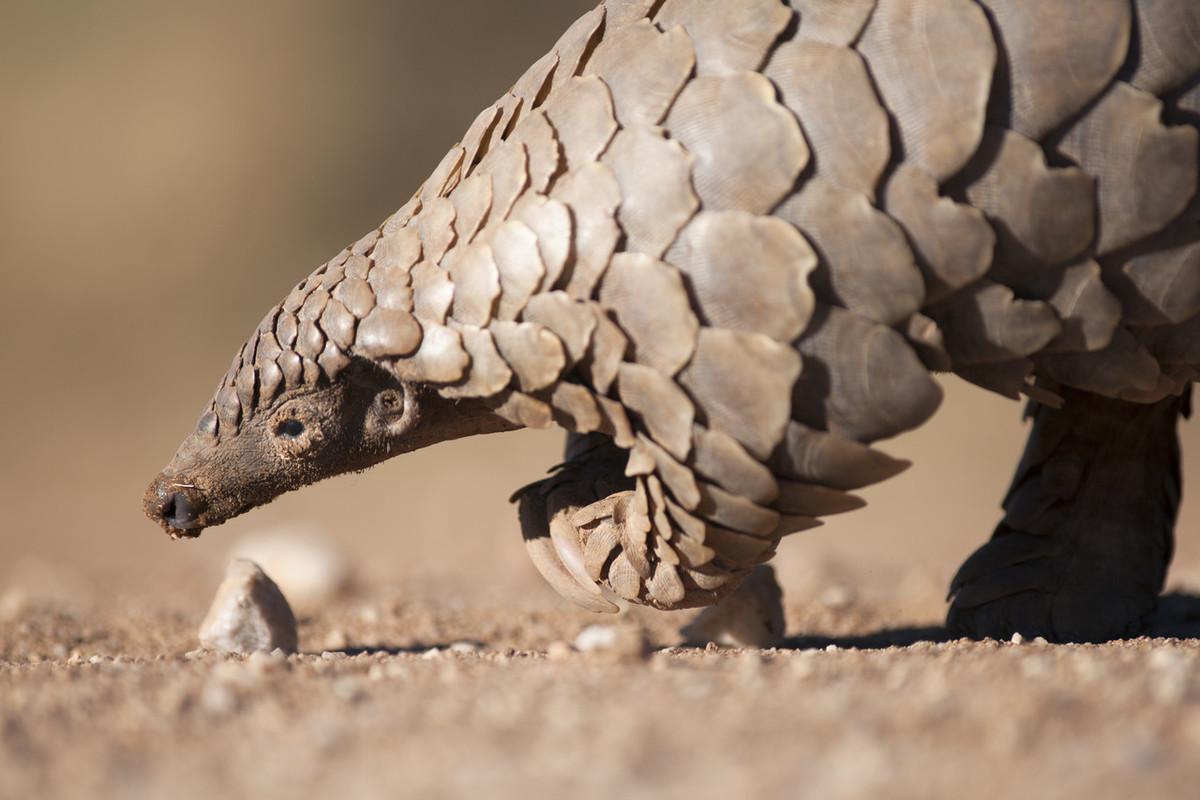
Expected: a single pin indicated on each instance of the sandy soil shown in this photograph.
(399, 695)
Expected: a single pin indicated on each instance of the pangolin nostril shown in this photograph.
(179, 512)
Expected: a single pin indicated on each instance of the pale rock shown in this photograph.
(308, 566)
(249, 614)
(750, 617)
(621, 643)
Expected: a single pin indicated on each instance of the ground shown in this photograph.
(397, 694)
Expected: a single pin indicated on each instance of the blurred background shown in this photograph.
(169, 170)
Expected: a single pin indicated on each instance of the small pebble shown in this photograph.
(614, 642)
(750, 617)
(248, 614)
(1017, 638)
(465, 647)
(559, 651)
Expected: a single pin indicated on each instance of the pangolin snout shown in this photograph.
(176, 506)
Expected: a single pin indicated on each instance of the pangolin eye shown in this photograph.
(289, 429)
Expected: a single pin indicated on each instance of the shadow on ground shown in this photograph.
(1177, 617)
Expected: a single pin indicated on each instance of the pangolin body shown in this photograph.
(725, 242)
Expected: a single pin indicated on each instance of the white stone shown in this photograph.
(249, 614)
(750, 617)
(614, 642)
(308, 566)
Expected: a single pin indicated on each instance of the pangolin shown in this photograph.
(723, 244)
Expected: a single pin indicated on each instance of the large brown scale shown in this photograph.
(725, 242)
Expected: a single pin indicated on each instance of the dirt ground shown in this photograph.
(403, 694)
(167, 171)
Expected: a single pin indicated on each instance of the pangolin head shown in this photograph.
(312, 394)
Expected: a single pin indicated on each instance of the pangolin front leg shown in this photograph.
(1083, 549)
(597, 534)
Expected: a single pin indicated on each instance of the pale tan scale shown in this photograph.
(615, 422)
(445, 176)
(932, 62)
(665, 587)
(739, 549)
(388, 333)
(753, 409)
(286, 328)
(508, 165)
(988, 323)
(270, 381)
(720, 458)
(291, 365)
(533, 86)
(828, 89)
(535, 354)
(246, 384)
(1160, 286)
(729, 37)
(829, 459)
(1168, 45)
(748, 148)
(515, 251)
(400, 250)
(592, 195)
(358, 266)
(229, 409)
(655, 179)
(635, 531)
(440, 358)
(576, 45)
(581, 112)
(436, 224)
(952, 242)
(662, 406)
(310, 341)
(392, 287)
(472, 203)
(523, 410)
(433, 293)
(837, 23)
(623, 579)
(814, 501)
(1042, 215)
(571, 321)
(479, 137)
(332, 361)
(866, 265)
(1060, 54)
(488, 373)
(677, 477)
(575, 408)
(663, 529)
(1088, 311)
(861, 379)
(338, 324)
(333, 275)
(361, 247)
(601, 542)
(476, 282)
(626, 12)
(608, 349)
(542, 146)
(551, 222)
(356, 295)
(313, 305)
(402, 217)
(735, 512)
(663, 333)
(747, 273)
(312, 371)
(645, 69)
(1146, 173)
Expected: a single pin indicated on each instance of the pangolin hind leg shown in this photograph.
(1088, 532)
(597, 535)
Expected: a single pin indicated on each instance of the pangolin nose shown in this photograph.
(180, 511)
